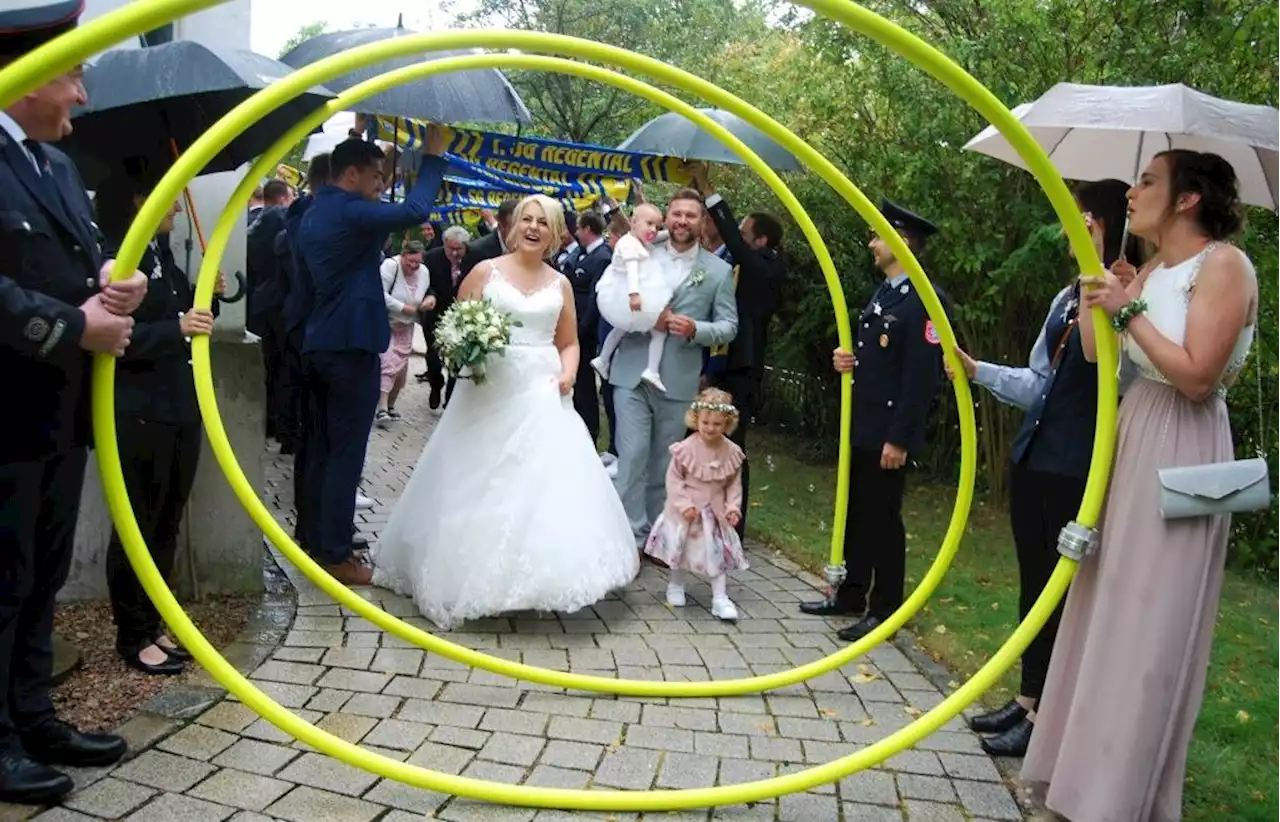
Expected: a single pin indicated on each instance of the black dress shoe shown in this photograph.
(829, 607)
(433, 401)
(999, 720)
(859, 629)
(25, 781)
(54, 742)
(1012, 742)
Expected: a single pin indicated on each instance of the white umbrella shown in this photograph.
(1111, 132)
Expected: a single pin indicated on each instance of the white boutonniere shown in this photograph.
(696, 278)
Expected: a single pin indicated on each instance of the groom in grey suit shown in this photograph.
(702, 313)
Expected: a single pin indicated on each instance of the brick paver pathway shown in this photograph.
(373, 689)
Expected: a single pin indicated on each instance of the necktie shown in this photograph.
(457, 275)
(37, 153)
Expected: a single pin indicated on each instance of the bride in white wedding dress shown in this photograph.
(509, 507)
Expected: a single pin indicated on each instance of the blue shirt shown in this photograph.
(340, 243)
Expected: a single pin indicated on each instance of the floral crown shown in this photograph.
(722, 407)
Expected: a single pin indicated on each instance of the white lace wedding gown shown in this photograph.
(509, 507)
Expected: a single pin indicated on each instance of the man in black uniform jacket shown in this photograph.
(583, 268)
(759, 269)
(53, 313)
(898, 361)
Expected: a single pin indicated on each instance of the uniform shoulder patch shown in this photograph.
(37, 329)
(931, 335)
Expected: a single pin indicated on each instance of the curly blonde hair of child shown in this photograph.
(713, 399)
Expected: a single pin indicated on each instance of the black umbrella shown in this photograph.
(145, 105)
(674, 135)
(482, 95)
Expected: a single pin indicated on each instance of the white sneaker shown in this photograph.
(363, 502)
(675, 595)
(601, 365)
(723, 608)
(653, 379)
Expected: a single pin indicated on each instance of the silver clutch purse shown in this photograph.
(1216, 488)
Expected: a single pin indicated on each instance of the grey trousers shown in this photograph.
(648, 425)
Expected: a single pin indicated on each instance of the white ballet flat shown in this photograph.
(653, 379)
(675, 596)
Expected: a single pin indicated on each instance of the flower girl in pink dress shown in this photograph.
(695, 532)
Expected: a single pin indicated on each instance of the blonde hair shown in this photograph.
(715, 401)
(551, 209)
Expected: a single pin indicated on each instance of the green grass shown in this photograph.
(1231, 772)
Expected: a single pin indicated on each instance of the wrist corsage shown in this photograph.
(1126, 314)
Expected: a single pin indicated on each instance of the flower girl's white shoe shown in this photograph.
(653, 379)
(601, 365)
(722, 608)
(675, 595)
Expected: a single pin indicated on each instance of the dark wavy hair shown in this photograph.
(1107, 202)
(1220, 214)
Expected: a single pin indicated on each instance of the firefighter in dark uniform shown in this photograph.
(897, 365)
(54, 314)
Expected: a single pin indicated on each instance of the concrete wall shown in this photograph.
(221, 549)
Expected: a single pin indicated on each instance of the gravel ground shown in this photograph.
(103, 693)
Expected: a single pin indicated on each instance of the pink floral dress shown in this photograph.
(708, 479)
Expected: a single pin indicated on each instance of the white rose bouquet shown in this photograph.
(468, 333)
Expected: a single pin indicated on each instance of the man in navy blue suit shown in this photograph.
(340, 241)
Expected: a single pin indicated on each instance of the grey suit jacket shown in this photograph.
(707, 296)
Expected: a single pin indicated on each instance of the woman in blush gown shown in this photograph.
(509, 507)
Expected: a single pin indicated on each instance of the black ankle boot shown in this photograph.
(999, 720)
(1012, 742)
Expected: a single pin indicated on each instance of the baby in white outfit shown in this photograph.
(633, 292)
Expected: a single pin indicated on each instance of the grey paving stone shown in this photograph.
(808, 807)
(351, 680)
(287, 694)
(870, 788)
(298, 654)
(494, 772)
(918, 811)
(468, 694)
(329, 700)
(198, 742)
(439, 757)
(549, 776)
(694, 719)
(399, 734)
(441, 713)
(857, 812)
(976, 768)
(398, 661)
(514, 721)
(628, 768)
(171, 807)
(379, 706)
(164, 771)
(347, 727)
(358, 658)
(774, 749)
(575, 729)
(241, 789)
(819, 729)
(320, 771)
(932, 788)
(464, 810)
(512, 749)
(414, 687)
(256, 757)
(110, 798)
(661, 739)
(406, 798)
(920, 762)
(303, 804)
(748, 724)
(460, 737)
(684, 770)
(987, 799)
(228, 716)
(298, 673)
(615, 710)
(51, 815)
(572, 755)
